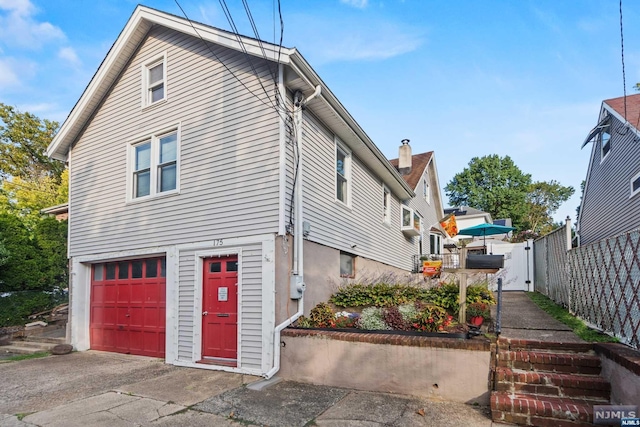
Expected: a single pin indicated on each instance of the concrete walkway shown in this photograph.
(112, 390)
(523, 319)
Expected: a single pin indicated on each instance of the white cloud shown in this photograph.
(8, 76)
(69, 54)
(360, 4)
(357, 42)
(19, 28)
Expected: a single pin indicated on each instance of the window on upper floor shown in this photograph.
(386, 196)
(343, 174)
(635, 185)
(426, 191)
(605, 143)
(154, 165)
(347, 265)
(154, 81)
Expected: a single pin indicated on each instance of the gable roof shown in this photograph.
(633, 108)
(419, 162)
(466, 211)
(298, 75)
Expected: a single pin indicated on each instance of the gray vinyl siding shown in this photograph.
(428, 211)
(250, 301)
(337, 226)
(229, 157)
(607, 209)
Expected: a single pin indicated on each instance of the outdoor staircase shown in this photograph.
(547, 384)
(32, 344)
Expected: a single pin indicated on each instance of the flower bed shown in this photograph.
(398, 308)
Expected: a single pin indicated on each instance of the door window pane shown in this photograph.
(215, 267)
(152, 268)
(111, 271)
(232, 265)
(123, 270)
(136, 269)
(98, 272)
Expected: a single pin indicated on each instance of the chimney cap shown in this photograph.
(405, 141)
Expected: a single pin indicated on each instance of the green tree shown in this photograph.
(492, 184)
(543, 200)
(50, 238)
(23, 268)
(23, 141)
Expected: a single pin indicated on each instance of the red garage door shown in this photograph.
(128, 307)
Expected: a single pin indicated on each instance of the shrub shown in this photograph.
(305, 322)
(408, 312)
(478, 309)
(394, 319)
(431, 318)
(322, 316)
(371, 319)
(376, 295)
(16, 308)
(480, 293)
(346, 320)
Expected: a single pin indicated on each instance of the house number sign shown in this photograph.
(218, 242)
(223, 294)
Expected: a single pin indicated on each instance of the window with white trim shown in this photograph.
(154, 81)
(347, 265)
(435, 243)
(154, 167)
(343, 174)
(386, 196)
(635, 185)
(426, 192)
(605, 143)
(410, 222)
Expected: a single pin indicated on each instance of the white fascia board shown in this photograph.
(432, 163)
(142, 19)
(393, 178)
(621, 119)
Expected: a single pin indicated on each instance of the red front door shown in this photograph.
(220, 310)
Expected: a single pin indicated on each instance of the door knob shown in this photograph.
(204, 313)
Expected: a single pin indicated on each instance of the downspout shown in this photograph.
(298, 239)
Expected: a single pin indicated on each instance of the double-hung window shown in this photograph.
(426, 192)
(386, 195)
(154, 78)
(343, 174)
(154, 165)
(635, 185)
(605, 143)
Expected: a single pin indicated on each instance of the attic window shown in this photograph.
(426, 193)
(154, 78)
(605, 143)
(635, 185)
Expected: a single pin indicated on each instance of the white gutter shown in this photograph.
(298, 254)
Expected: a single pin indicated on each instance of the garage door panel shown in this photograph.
(128, 311)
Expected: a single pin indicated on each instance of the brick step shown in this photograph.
(576, 363)
(553, 384)
(564, 347)
(541, 411)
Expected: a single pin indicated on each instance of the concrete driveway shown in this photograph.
(107, 389)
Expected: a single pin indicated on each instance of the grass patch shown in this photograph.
(21, 415)
(563, 315)
(19, 357)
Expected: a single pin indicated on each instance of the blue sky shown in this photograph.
(462, 78)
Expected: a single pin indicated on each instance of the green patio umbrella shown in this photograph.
(485, 230)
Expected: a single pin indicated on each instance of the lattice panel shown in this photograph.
(605, 283)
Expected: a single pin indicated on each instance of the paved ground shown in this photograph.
(523, 319)
(112, 390)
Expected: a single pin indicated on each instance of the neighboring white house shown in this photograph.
(212, 179)
(467, 217)
(611, 198)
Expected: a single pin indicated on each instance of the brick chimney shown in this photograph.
(404, 158)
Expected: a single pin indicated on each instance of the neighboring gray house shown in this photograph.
(209, 187)
(611, 199)
(420, 172)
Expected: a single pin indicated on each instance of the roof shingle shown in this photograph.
(418, 163)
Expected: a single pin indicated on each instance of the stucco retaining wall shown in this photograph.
(621, 367)
(436, 368)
